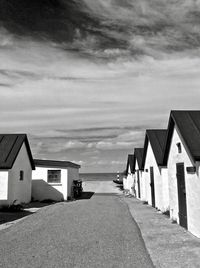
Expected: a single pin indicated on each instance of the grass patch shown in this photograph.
(14, 207)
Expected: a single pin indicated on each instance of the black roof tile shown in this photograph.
(188, 125)
(10, 145)
(130, 162)
(54, 163)
(157, 139)
(138, 156)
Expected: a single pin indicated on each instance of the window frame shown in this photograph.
(21, 175)
(52, 180)
(179, 147)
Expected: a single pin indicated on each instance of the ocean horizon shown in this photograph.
(98, 176)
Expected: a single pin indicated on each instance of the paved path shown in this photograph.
(169, 244)
(98, 232)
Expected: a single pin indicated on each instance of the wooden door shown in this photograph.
(152, 187)
(182, 204)
(138, 181)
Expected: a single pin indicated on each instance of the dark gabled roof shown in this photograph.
(54, 163)
(188, 125)
(138, 152)
(157, 138)
(10, 145)
(131, 163)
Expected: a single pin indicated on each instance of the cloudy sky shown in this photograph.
(85, 78)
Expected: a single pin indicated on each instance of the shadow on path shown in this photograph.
(120, 187)
(107, 194)
(85, 195)
(40, 204)
(12, 216)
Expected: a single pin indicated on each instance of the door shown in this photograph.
(181, 194)
(152, 187)
(138, 181)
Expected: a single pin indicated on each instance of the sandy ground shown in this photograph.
(95, 232)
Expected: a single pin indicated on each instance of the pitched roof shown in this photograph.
(157, 138)
(54, 163)
(188, 125)
(10, 145)
(138, 156)
(130, 162)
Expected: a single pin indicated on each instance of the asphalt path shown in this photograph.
(95, 232)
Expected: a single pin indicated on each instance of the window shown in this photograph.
(21, 175)
(54, 176)
(179, 147)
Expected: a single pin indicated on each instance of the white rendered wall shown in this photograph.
(129, 182)
(20, 190)
(125, 187)
(142, 184)
(136, 182)
(42, 190)
(3, 187)
(165, 189)
(192, 184)
(150, 161)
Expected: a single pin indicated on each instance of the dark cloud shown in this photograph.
(91, 27)
(5, 85)
(57, 20)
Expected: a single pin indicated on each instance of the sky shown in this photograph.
(85, 78)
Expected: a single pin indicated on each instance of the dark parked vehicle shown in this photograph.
(118, 180)
(77, 188)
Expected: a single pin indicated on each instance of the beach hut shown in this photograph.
(153, 168)
(52, 180)
(16, 165)
(182, 157)
(129, 179)
(139, 184)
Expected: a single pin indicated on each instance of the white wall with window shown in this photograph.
(53, 183)
(151, 169)
(179, 154)
(49, 183)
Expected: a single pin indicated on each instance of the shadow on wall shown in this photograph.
(42, 190)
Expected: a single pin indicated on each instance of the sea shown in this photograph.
(97, 176)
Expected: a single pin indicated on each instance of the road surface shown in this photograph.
(95, 232)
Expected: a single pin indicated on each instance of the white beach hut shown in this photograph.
(53, 179)
(156, 183)
(16, 164)
(129, 179)
(139, 184)
(182, 157)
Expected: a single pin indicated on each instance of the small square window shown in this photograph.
(21, 175)
(54, 176)
(179, 147)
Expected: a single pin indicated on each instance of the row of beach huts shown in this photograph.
(165, 173)
(23, 178)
